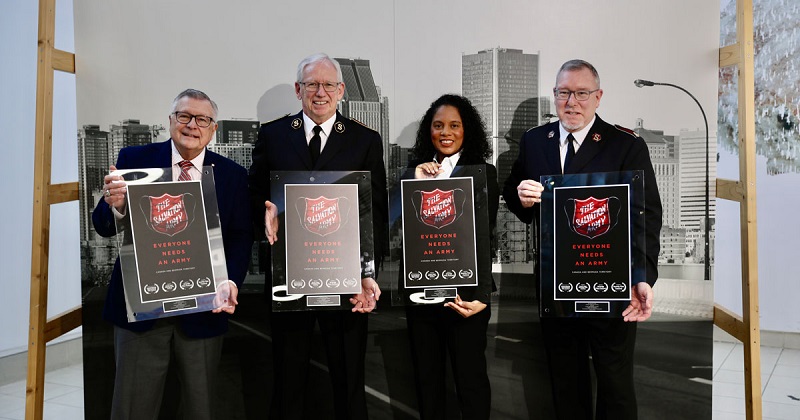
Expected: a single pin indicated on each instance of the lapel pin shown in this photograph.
(596, 137)
(339, 127)
(296, 123)
(551, 134)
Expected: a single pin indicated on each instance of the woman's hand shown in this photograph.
(464, 308)
(427, 170)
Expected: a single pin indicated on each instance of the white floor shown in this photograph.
(63, 396)
(780, 382)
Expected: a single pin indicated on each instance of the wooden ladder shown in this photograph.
(745, 328)
(45, 194)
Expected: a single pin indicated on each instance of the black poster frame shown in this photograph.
(483, 286)
(592, 243)
(194, 274)
(284, 258)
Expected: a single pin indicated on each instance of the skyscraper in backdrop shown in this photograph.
(503, 84)
(97, 150)
(93, 165)
(235, 140)
(362, 97)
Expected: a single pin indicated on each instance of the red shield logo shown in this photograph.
(438, 208)
(592, 217)
(168, 214)
(322, 215)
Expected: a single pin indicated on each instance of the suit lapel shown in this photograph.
(163, 157)
(298, 142)
(552, 153)
(210, 159)
(462, 162)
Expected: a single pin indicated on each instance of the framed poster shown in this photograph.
(320, 224)
(592, 243)
(325, 246)
(442, 228)
(438, 235)
(171, 253)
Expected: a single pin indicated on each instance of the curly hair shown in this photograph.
(475, 145)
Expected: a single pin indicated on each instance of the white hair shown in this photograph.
(315, 59)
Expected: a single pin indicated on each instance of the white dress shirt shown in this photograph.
(448, 164)
(327, 126)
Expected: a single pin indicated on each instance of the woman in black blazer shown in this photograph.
(452, 134)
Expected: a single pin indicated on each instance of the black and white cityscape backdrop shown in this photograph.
(398, 56)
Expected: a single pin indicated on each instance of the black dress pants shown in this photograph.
(344, 336)
(436, 332)
(610, 342)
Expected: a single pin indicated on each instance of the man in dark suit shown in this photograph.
(319, 139)
(588, 144)
(143, 349)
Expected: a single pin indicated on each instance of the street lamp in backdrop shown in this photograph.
(707, 258)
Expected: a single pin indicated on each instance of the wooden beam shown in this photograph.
(747, 211)
(61, 193)
(40, 238)
(63, 61)
(730, 190)
(746, 329)
(729, 55)
(730, 322)
(63, 323)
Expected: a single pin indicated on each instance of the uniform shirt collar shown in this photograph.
(579, 135)
(327, 126)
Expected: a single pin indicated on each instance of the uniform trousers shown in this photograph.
(142, 361)
(436, 332)
(344, 335)
(608, 344)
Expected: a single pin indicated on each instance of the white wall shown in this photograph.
(778, 243)
(777, 85)
(18, 35)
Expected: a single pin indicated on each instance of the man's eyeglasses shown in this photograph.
(314, 86)
(201, 120)
(581, 95)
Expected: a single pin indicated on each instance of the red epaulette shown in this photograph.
(626, 130)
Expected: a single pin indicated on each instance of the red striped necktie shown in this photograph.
(185, 165)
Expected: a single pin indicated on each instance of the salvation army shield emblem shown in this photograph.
(591, 217)
(168, 214)
(437, 208)
(321, 216)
